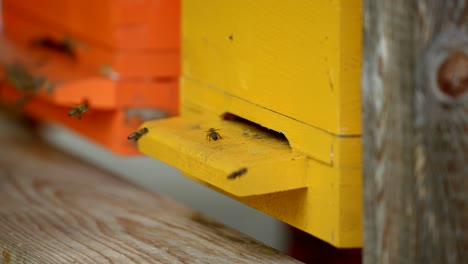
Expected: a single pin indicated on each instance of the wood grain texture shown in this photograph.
(56, 209)
(415, 78)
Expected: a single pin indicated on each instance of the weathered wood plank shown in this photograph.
(415, 105)
(57, 209)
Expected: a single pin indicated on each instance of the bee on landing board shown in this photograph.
(237, 173)
(213, 134)
(138, 134)
(79, 110)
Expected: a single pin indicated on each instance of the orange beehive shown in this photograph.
(94, 125)
(144, 61)
(117, 24)
(124, 64)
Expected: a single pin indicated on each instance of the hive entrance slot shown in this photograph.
(271, 133)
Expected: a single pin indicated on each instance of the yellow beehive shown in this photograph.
(289, 74)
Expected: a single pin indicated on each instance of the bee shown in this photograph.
(79, 110)
(138, 134)
(212, 134)
(21, 79)
(237, 173)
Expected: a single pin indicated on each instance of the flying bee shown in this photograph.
(22, 79)
(237, 173)
(79, 110)
(138, 134)
(212, 134)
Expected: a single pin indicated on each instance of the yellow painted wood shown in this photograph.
(271, 163)
(330, 209)
(299, 58)
(340, 151)
(318, 198)
(291, 67)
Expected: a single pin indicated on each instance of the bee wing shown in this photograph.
(72, 112)
(131, 136)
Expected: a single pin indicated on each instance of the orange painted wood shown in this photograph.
(111, 95)
(135, 41)
(73, 83)
(116, 108)
(108, 128)
(118, 24)
(126, 63)
(160, 95)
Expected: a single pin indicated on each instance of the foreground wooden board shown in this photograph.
(57, 209)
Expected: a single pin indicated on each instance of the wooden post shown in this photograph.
(415, 106)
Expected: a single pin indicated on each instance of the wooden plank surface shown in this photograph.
(57, 209)
(415, 140)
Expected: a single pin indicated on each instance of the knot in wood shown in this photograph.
(452, 75)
